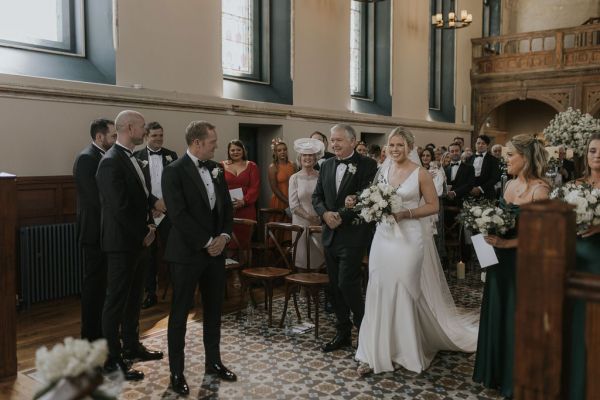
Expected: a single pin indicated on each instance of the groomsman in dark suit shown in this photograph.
(460, 177)
(93, 287)
(125, 236)
(345, 243)
(201, 214)
(487, 170)
(157, 158)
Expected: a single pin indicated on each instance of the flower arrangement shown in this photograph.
(586, 200)
(352, 168)
(77, 361)
(485, 217)
(378, 203)
(572, 129)
(215, 172)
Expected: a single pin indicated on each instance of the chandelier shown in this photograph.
(453, 22)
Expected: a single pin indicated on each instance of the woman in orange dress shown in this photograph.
(279, 175)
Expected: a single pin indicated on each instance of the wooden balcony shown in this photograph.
(569, 49)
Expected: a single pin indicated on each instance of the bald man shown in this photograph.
(125, 236)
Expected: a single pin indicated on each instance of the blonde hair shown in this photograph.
(534, 153)
(404, 133)
(588, 170)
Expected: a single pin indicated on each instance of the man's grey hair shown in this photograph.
(350, 132)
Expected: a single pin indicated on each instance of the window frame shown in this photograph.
(367, 23)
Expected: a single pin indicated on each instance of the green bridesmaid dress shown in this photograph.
(496, 341)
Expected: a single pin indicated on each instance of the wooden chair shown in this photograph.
(312, 281)
(265, 215)
(283, 255)
(239, 256)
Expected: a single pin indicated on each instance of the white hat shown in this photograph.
(309, 146)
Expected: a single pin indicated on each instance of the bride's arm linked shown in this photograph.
(431, 203)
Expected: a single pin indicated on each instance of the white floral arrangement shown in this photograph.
(74, 360)
(485, 217)
(586, 200)
(352, 168)
(169, 158)
(572, 129)
(215, 172)
(378, 203)
(143, 163)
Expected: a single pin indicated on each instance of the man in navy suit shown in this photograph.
(93, 287)
(157, 157)
(487, 169)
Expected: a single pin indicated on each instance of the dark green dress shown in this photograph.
(587, 252)
(496, 341)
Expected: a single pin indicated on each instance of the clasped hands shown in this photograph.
(216, 246)
(150, 236)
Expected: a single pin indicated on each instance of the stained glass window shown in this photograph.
(358, 44)
(239, 37)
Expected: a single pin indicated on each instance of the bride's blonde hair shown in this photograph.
(404, 133)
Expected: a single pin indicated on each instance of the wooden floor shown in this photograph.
(49, 323)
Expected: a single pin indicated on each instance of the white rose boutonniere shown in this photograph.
(352, 168)
(169, 158)
(215, 172)
(143, 163)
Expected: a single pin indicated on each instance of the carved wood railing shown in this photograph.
(550, 50)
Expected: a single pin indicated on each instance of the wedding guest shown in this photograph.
(443, 149)
(487, 170)
(279, 174)
(567, 167)
(430, 146)
(382, 156)
(468, 153)
(587, 253)
(157, 158)
(497, 151)
(460, 140)
(323, 139)
(302, 186)
(361, 148)
(375, 151)
(526, 160)
(446, 160)
(93, 288)
(427, 156)
(241, 173)
(437, 153)
(460, 177)
(419, 151)
(439, 181)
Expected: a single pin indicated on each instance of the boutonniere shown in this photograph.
(169, 158)
(215, 172)
(143, 163)
(352, 168)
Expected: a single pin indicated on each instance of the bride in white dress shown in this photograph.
(409, 311)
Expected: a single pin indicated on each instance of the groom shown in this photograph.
(345, 243)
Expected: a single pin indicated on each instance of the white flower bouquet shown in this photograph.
(572, 129)
(486, 217)
(378, 203)
(77, 361)
(586, 200)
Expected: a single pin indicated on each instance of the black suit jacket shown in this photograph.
(88, 199)
(569, 167)
(193, 222)
(463, 181)
(490, 175)
(325, 198)
(168, 157)
(125, 206)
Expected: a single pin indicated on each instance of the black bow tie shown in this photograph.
(345, 161)
(478, 155)
(155, 153)
(203, 163)
(454, 164)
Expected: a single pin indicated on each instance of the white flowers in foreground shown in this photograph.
(377, 203)
(486, 218)
(586, 200)
(572, 129)
(70, 359)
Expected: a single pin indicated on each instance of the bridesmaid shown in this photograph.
(279, 175)
(587, 253)
(527, 160)
(243, 174)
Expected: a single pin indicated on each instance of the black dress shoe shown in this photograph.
(141, 353)
(130, 374)
(149, 301)
(179, 385)
(336, 343)
(221, 371)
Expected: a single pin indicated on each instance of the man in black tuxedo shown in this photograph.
(93, 287)
(125, 236)
(460, 177)
(157, 158)
(567, 167)
(345, 243)
(487, 170)
(201, 214)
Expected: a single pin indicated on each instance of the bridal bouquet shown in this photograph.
(72, 367)
(377, 203)
(586, 200)
(572, 129)
(486, 217)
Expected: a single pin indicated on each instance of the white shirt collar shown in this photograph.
(99, 148)
(149, 149)
(125, 147)
(350, 156)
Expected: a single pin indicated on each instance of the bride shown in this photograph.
(409, 311)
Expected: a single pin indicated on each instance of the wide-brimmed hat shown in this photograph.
(309, 146)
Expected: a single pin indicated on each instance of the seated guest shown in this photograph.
(302, 186)
(361, 148)
(497, 151)
(279, 174)
(240, 173)
(487, 170)
(323, 139)
(375, 151)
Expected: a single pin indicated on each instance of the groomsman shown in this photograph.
(125, 234)
(201, 214)
(460, 177)
(93, 287)
(487, 169)
(345, 243)
(157, 157)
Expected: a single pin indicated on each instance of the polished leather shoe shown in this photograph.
(336, 343)
(221, 371)
(179, 385)
(141, 353)
(129, 373)
(149, 301)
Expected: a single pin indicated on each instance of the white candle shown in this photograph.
(470, 18)
(463, 15)
(451, 23)
(460, 270)
(451, 16)
(434, 19)
(438, 17)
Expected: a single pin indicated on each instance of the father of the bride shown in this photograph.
(345, 243)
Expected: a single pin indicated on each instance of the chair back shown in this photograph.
(264, 216)
(284, 250)
(244, 252)
(312, 238)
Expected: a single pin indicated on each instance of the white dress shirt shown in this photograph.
(339, 173)
(454, 171)
(477, 163)
(155, 163)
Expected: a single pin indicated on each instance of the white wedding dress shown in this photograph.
(409, 311)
